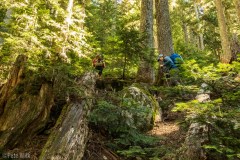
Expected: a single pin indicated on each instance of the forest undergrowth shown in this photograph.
(180, 108)
(122, 141)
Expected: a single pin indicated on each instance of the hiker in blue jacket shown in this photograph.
(170, 66)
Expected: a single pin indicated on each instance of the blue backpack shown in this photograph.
(177, 59)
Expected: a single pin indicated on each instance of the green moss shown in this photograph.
(19, 89)
(52, 136)
(35, 88)
(153, 100)
(150, 100)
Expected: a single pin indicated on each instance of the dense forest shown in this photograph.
(120, 79)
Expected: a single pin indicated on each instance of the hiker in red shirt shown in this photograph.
(98, 63)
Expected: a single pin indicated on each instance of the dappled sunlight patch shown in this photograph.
(164, 128)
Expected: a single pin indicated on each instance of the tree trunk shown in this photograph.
(191, 37)
(124, 65)
(164, 33)
(201, 41)
(6, 21)
(183, 14)
(65, 32)
(69, 137)
(146, 24)
(194, 38)
(185, 32)
(200, 36)
(225, 57)
(16, 76)
(235, 47)
(237, 4)
(145, 70)
(25, 104)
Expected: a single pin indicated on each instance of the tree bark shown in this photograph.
(235, 47)
(145, 70)
(65, 32)
(146, 24)
(200, 36)
(225, 57)
(164, 33)
(185, 32)
(25, 106)
(15, 77)
(237, 4)
(201, 41)
(69, 137)
(6, 21)
(191, 37)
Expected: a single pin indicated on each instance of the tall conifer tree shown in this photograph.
(225, 57)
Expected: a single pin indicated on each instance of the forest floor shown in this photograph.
(169, 132)
(171, 135)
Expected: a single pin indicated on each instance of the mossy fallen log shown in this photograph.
(70, 134)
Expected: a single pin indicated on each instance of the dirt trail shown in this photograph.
(164, 128)
(172, 136)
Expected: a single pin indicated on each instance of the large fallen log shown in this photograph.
(70, 134)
